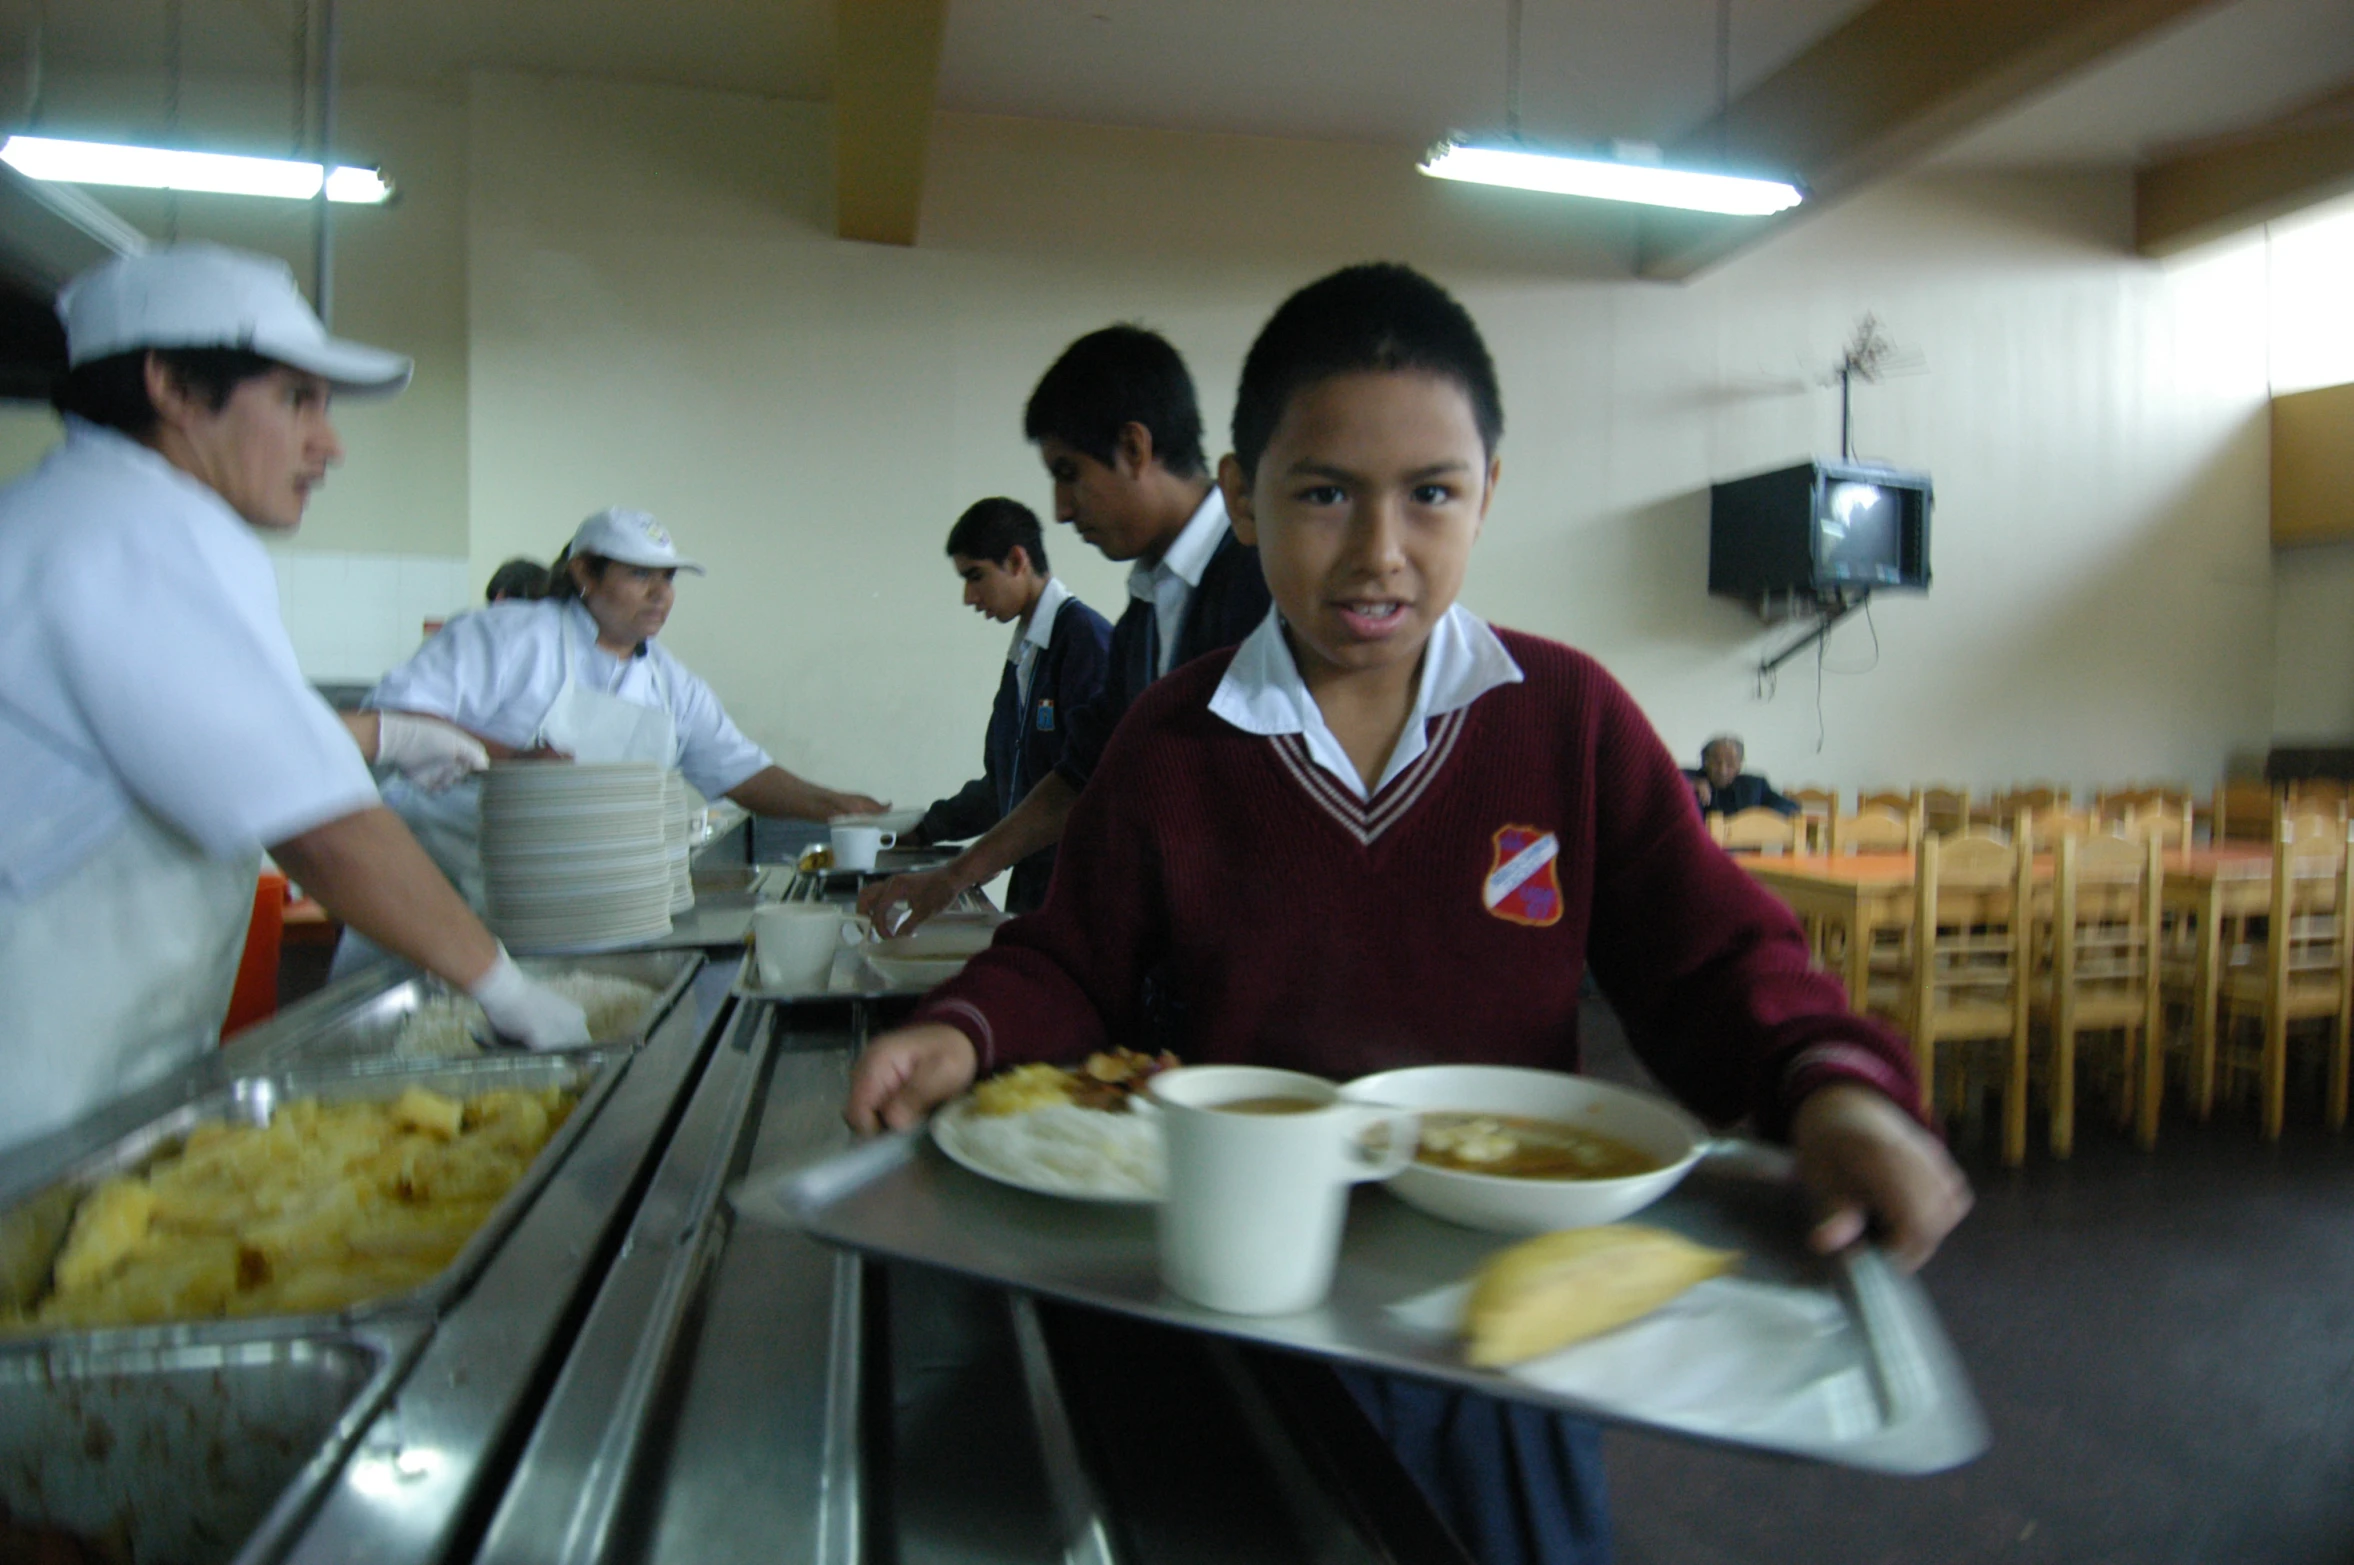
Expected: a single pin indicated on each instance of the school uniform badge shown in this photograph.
(1522, 886)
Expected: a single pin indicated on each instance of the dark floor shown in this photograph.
(2164, 1346)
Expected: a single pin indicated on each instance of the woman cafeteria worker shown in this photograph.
(156, 734)
(580, 672)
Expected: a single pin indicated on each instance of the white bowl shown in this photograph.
(950, 934)
(1532, 1206)
(914, 972)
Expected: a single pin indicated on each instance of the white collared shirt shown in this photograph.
(1030, 640)
(1168, 584)
(1263, 693)
(495, 671)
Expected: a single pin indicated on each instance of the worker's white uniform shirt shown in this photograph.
(496, 671)
(155, 734)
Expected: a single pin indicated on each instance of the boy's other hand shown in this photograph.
(1866, 1160)
(904, 1075)
(901, 903)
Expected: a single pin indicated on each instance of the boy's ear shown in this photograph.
(1017, 560)
(1487, 495)
(1235, 486)
(1132, 451)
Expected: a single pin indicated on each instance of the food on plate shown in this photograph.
(1518, 1146)
(327, 1205)
(815, 861)
(1047, 1127)
(1104, 1081)
(1548, 1292)
(452, 1026)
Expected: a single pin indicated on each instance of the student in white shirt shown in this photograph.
(156, 735)
(580, 673)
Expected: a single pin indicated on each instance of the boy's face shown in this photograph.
(999, 590)
(1106, 505)
(1364, 510)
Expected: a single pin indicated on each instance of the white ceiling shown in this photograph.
(1386, 71)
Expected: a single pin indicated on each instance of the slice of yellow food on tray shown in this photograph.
(1548, 1292)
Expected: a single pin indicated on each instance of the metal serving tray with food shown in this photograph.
(359, 1190)
(1755, 1342)
(626, 995)
(174, 1446)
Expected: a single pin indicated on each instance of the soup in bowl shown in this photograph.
(1530, 1151)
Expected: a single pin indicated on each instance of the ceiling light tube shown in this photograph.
(163, 168)
(1606, 180)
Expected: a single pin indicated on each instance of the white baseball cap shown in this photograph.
(209, 296)
(632, 537)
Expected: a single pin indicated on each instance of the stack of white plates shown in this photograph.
(574, 858)
(677, 819)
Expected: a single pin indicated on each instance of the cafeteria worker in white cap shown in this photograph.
(156, 735)
(579, 672)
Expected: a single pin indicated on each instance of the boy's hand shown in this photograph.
(1867, 1160)
(899, 904)
(904, 1075)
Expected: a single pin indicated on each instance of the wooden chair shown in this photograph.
(2166, 820)
(2040, 829)
(2321, 791)
(1963, 973)
(1816, 806)
(1945, 810)
(1758, 831)
(2244, 810)
(2302, 970)
(2099, 972)
(1874, 829)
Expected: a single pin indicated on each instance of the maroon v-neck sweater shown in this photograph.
(1284, 922)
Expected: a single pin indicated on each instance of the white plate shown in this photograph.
(899, 821)
(914, 972)
(948, 1135)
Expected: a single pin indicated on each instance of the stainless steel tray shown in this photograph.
(32, 1230)
(899, 1197)
(188, 1451)
(368, 1026)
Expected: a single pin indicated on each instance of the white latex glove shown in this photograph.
(522, 1008)
(427, 752)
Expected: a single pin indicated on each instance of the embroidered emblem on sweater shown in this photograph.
(1522, 887)
(1366, 819)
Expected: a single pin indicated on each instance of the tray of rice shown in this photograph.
(625, 996)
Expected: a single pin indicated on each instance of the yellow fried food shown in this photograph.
(1548, 1292)
(1022, 1089)
(328, 1205)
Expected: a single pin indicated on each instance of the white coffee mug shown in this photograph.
(1258, 1190)
(793, 943)
(855, 847)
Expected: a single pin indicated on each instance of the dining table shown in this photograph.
(1845, 900)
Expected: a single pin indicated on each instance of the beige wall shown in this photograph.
(630, 294)
(659, 317)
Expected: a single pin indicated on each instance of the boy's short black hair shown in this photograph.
(112, 391)
(518, 578)
(1380, 317)
(991, 529)
(1119, 375)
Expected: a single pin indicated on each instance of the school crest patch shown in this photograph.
(1522, 886)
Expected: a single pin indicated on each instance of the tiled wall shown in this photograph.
(353, 616)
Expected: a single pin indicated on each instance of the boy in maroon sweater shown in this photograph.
(1380, 833)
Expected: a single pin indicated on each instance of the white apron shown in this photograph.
(588, 725)
(117, 975)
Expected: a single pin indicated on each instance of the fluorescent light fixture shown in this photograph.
(161, 168)
(1606, 180)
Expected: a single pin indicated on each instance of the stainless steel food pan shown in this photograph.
(32, 1231)
(367, 1025)
(190, 1452)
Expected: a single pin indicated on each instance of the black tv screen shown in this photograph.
(1819, 530)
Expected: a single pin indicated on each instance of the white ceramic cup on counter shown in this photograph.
(793, 943)
(1260, 1162)
(855, 847)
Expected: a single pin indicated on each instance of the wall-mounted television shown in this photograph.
(1825, 531)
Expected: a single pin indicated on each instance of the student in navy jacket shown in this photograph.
(1117, 425)
(1055, 667)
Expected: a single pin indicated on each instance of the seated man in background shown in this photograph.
(1055, 666)
(1724, 789)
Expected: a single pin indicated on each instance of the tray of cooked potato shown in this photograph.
(350, 1191)
(1559, 1241)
